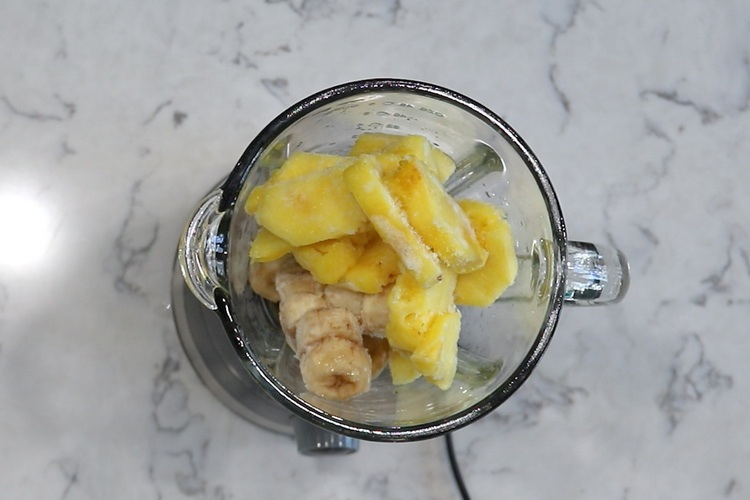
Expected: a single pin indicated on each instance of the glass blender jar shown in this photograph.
(233, 337)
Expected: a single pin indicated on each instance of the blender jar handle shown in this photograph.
(595, 274)
(200, 244)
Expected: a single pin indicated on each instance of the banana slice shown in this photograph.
(262, 279)
(292, 279)
(292, 310)
(336, 368)
(317, 325)
(379, 351)
(375, 313)
(299, 293)
(338, 296)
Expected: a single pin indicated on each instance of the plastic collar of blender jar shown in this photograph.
(230, 193)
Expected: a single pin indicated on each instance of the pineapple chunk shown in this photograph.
(310, 208)
(435, 357)
(254, 199)
(372, 142)
(484, 286)
(267, 246)
(437, 162)
(412, 308)
(302, 163)
(442, 164)
(402, 369)
(298, 164)
(329, 260)
(375, 269)
(364, 182)
(435, 216)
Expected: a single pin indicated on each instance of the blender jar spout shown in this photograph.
(199, 245)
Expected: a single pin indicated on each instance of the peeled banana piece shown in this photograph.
(334, 362)
(336, 369)
(336, 333)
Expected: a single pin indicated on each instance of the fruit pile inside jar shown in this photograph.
(369, 256)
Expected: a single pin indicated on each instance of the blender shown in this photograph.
(232, 336)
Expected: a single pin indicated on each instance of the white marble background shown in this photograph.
(116, 117)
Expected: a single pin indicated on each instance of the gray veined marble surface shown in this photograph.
(116, 118)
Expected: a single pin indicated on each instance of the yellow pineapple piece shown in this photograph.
(387, 162)
(402, 369)
(267, 246)
(484, 286)
(310, 208)
(412, 308)
(372, 142)
(302, 163)
(435, 216)
(389, 220)
(329, 260)
(298, 164)
(439, 163)
(254, 199)
(442, 164)
(435, 356)
(376, 268)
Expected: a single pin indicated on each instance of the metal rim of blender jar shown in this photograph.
(230, 193)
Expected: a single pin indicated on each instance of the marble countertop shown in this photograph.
(117, 117)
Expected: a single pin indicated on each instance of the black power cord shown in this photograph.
(455, 468)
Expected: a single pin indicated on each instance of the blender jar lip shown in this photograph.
(230, 193)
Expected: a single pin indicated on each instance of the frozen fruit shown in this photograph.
(485, 285)
(329, 260)
(435, 216)
(435, 356)
(366, 185)
(402, 369)
(310, 208)
(267, 247)
(439, 163)
(413, 307)
(375, 269)
(369, 256)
